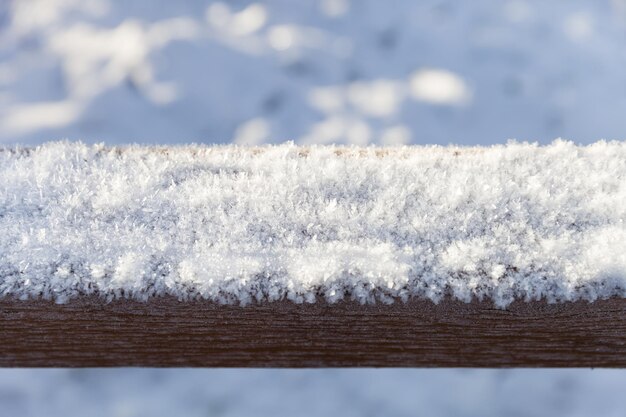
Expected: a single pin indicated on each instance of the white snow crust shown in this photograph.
(254, 224)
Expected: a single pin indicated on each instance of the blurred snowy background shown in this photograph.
(323, 71)
(329, 392)
(326, 71)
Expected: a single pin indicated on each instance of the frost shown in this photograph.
(252, 224)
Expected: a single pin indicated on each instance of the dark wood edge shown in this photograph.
(167, 332)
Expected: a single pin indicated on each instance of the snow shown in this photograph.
(327, 71)
(317, 72)
(253, 224)
(324, 392)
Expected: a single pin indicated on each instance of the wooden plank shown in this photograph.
(166, 332)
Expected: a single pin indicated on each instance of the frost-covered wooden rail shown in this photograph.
(313, 256)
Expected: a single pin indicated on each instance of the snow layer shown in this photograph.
(239, 225)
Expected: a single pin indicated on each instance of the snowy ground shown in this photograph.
(271, 393)
(362, 71)
(324, 71)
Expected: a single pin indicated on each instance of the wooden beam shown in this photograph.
(166, 332)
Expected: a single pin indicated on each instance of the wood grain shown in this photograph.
(166, 332)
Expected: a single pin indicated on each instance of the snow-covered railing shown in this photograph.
(298, 256)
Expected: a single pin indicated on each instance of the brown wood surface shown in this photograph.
(166, 332)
